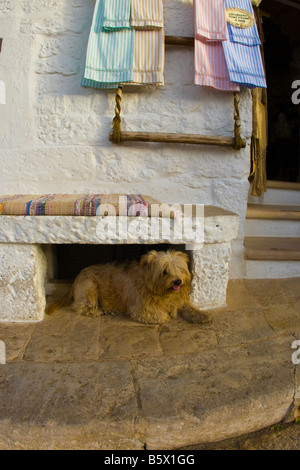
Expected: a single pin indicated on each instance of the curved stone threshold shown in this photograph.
(108, 383)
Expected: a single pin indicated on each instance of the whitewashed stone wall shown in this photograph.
(54, 133)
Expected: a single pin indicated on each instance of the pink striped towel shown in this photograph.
(211, 68)
(210, 20)
(210, 31)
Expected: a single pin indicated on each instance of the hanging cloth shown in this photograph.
(149, 42)
(147, 14)
(259, 142)
(211, 68)
(244, 65)
(259, 139)
(210, 31)
(109, 57)
(210, 20)
(242, 35)
(116, 15)
(149, 57)
(117, 56)
(242, 50)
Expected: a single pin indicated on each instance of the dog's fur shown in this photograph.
(154, 290)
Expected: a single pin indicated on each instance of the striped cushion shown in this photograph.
(77, 204)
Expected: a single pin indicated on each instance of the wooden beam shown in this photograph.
(176, 138)
(179, 41)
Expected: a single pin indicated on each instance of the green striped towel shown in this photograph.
(109, 57)
(116, 15)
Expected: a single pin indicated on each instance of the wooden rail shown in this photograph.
(174, 138)
(179, 41)
(117, 136)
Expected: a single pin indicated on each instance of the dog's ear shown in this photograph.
(183, 256)
(148, 258)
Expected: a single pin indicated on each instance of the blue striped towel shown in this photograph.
(247, 36)
(242, 51)
(109, 57)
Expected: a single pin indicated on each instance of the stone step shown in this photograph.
(271, 269)
(277, 196)
(283, 185)
(275, 212)
(269, 227)
(272, 248)
(279, 192)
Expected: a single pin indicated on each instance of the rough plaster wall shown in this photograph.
(54, 133)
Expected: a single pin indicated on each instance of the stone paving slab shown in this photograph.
(73, 382)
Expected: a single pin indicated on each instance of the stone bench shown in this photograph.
(23, 265)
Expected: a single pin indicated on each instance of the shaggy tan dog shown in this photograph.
(152, 291)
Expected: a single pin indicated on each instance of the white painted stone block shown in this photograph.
(22, 277)
(210, 269)
(217, 226)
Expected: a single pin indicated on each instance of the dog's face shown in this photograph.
(166, 271)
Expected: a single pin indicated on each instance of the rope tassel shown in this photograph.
(116, 134)
(239, 143)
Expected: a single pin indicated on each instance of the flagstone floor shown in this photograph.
(73, 382)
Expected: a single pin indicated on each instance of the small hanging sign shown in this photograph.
(239, 18)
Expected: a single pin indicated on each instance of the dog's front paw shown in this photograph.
(112, 313)
(92, 312)
(193, 315)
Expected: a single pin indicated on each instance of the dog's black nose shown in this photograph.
(177, 282)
